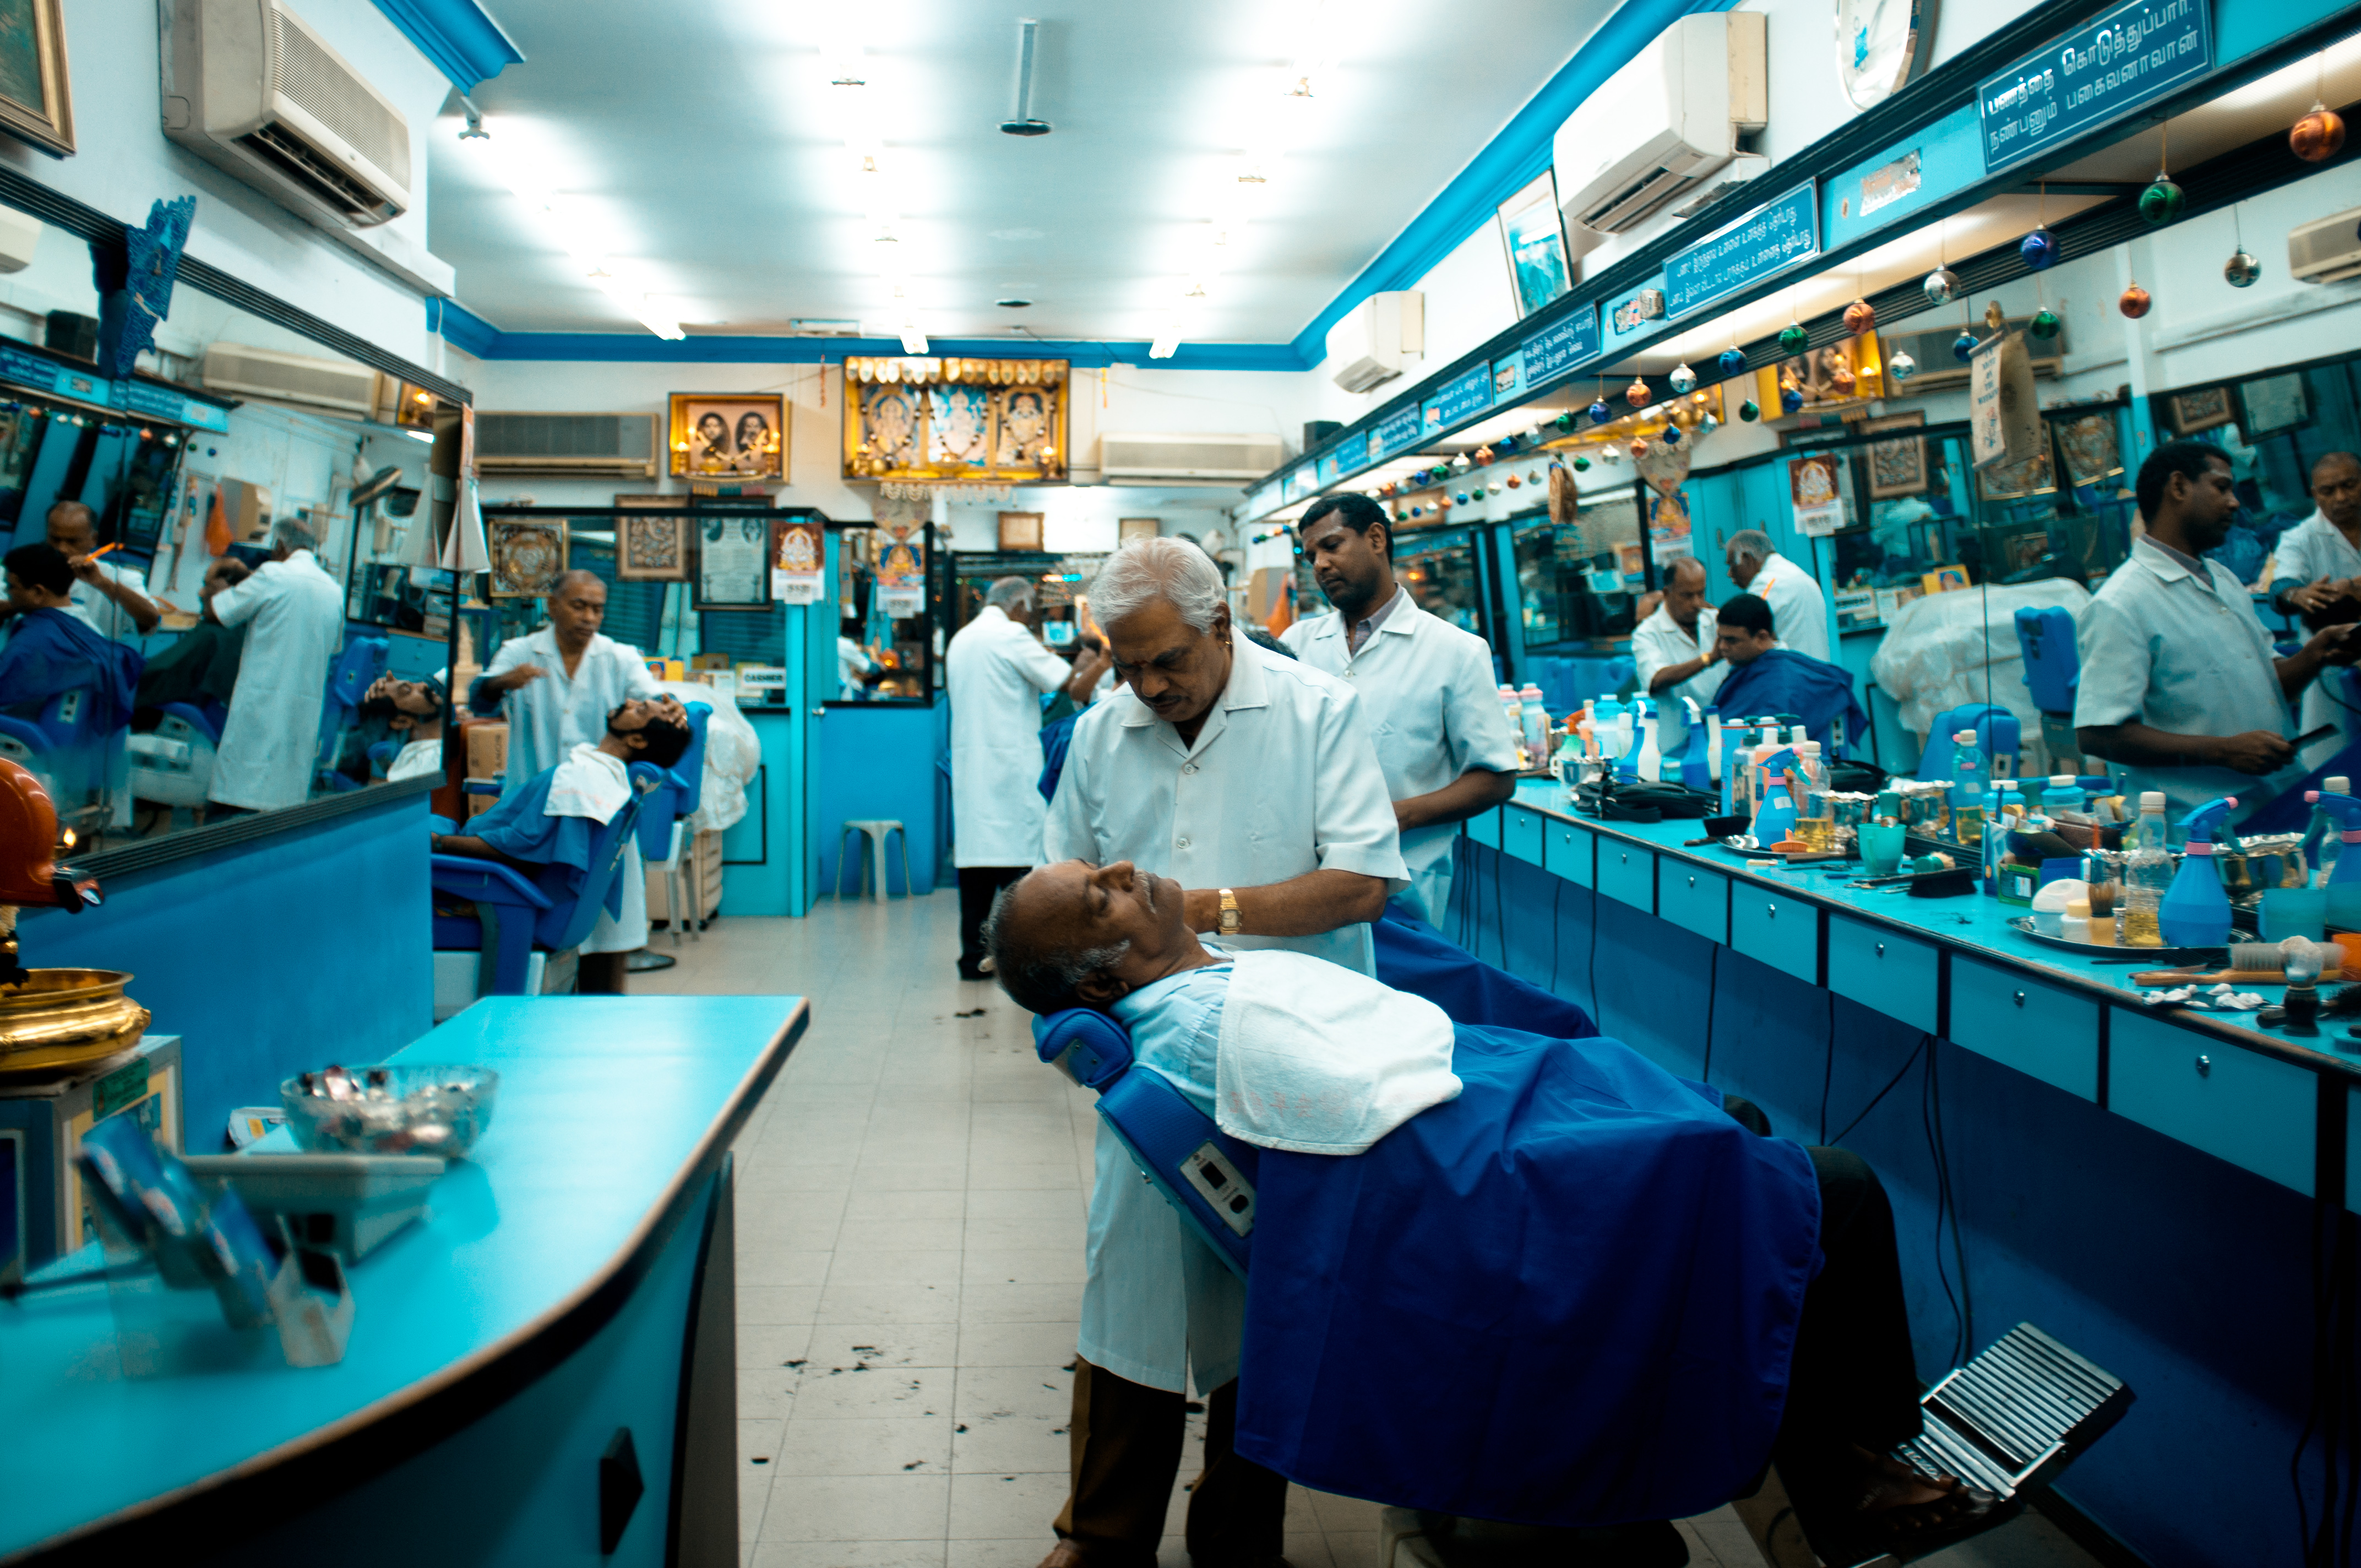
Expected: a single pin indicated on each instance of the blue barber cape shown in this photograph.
(518, 829)
(1566, 1298)
(1784, 681)
(48, 652)
(1413, 956)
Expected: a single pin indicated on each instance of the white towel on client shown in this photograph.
(1320, 1059)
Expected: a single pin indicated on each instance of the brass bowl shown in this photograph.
(60, 1017)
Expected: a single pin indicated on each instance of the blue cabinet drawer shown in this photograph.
(1628, 874)
(1768, 924)
(1694, 899)
(1484, 827)
(1570, 852)
(2253, 1110)
(2040, 1030)
(1522, 829)
(1879, 968)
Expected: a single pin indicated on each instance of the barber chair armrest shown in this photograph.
(26, 731)
(463, 876)
(195, 718)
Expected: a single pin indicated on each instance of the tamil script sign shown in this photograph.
(1770, 239)
(2093, 77)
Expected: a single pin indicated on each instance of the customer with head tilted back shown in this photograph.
(1251, 780)
(294, 617)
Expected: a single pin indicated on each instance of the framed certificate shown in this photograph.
(733, 561)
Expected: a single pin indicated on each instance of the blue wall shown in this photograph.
(878, 759)
(2185, 1275)
(267, 957)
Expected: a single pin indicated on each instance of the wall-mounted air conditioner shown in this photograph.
(1188, 459)
(1663, 123)
(249, 87)
(2326, 250)
(1379, 339)
(336, 386)
(582, 446)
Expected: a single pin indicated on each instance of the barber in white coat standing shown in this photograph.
(996, 670)
(1427, 689)
(294, 617)
(1250, 779)
(1799, 610)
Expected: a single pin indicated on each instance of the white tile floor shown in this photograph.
(910, 1204)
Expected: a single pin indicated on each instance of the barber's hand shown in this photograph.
(2333, 644)
(2256, 751)
(382, 686)
(522, 675)
(2313, 595)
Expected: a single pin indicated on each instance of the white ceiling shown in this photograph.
(704, 144)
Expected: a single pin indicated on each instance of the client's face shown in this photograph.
(1739, 646)
(1074, 905)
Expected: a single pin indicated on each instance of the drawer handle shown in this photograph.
(2204, 1067)
(1881, 949)
(1692, 882)
(1770, 911)
(2020, 999)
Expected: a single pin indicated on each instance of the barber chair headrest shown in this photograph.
(1089, 1047)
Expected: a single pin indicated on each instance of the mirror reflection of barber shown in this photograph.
(2316, 575)
(1427, 689)
(106, 594)
(294, 617)
(1673, 649)
(1799, 610)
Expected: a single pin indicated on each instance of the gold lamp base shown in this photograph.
(63, 1018)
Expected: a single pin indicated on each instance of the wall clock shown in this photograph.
(1881, 46)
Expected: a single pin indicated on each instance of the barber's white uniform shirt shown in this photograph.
(86, 604)
(2186, 655)
(1659, 643)
(996, 670)
(294, 617)
(853, 661)
(550, 716)
(1799, 611)
(1434, 709)
(2313, 549)
(1283, 780)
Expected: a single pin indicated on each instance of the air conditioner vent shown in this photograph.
(621, 445)
(317, 81)
(284, 151)
(1189, 458)
(331, 384)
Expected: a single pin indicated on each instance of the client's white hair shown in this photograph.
(1172, 570)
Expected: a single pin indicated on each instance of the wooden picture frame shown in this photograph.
(35, 89)
(733, 561)
(528, 555)
(1130, 528)
(728, 436)
(2089, 447)
(1020, 529)
(652, 547)
(1896, 466)
(2202, 408)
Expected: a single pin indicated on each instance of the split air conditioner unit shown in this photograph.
(1665, 123)
(249, 87)
(1377, 340)
(581, 446)
(332, 386)
(2327, 250)
(1188, 459)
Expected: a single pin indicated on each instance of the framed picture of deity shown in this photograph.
(1025, 427)
(951, 421)
(729, 435)
(528, 555)
(652, 547)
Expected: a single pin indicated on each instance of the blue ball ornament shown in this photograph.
(2039, 251)
(1599, 412)
(1791, 399)
(1733, 361)
(1963, 347)
(1672, 435)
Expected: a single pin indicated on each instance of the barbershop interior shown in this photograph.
(1788, 576)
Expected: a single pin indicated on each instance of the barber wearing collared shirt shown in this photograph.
(1428, 690)
(2316, 574)
(1250, 779)
(1673, 649)
(2179, 683)
(103, 598)
(1799, 610)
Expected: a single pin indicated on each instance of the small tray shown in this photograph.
(2165, 956)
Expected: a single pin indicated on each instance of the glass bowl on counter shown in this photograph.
(422, 1108)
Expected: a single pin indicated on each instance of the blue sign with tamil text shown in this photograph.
(2093, 77)
(1768, 240)
(1327, 470)
(132, 397)
(1468, 392)
(1562, 347)
(1399, 428)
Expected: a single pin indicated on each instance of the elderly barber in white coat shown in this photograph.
(1799, 610)
(996, 670)
(294, 617)
(1428, 690)
(1251, 779)
(557, 686)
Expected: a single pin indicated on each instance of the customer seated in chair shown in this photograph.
(200, 667)
(414, 710)
(551, 819)
(49, 649)
(1589, 1295)
(1766, 676)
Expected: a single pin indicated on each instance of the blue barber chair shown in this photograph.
(1997, 732)
(2053, 671)
(356, 669)
(664, 839)
(535, 922)
(172, 764)
(75, 761)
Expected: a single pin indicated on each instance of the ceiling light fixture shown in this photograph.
(913, 342)
(1022, 123)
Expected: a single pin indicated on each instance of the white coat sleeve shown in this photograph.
(1475, 725)
(638, 680)
(1043, 668)
(236, 606)
(484, 702)
(1066, 829)
(1353, 827)
(2116, 664)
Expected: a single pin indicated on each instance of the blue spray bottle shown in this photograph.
(2195, 912)
(1775, 819)
(1694, 769)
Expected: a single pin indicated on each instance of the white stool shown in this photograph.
(875, 830)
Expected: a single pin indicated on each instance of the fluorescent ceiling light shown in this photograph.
(913, 342)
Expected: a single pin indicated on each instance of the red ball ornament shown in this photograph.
(1636, 393)
(1861, 316)
(2317, 136)
(1639, 448)
(2135, 303)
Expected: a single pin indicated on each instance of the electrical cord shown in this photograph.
(1882, 1093)
(1930, 1111)
(1712, 996)
(1828, 1070)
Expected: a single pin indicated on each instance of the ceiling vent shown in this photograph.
(1377, 340)
(249, 87)
(2327, 250)
(618, 446)
(1663, 123)
(337, 386)
(1188, 459)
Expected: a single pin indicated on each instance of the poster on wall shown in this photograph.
(798, 562)
(2003, 413)
(1812, 487)
(528, 557)
(733, 561)
(901, 572)
(955, 420)
(1533, 237)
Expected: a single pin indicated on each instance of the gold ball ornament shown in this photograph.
(1861, 316)
(2135, 303)
(2316, 137)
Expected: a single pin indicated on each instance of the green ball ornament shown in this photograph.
(1564, 420)
(2044, 326)
(1582, 464)
(1793, 339)
(2161, 202)
(1747, 411)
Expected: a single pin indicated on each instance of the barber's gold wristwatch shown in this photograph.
(1229, 921)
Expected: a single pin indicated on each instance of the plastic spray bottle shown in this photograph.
(2147, 876)
(1651, 765)
(2344, 884)
(2195, 912)
(2325, 842)
(1534, 722)
(1970, 777)
(1774, 818)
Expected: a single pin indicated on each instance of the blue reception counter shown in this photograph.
(571, 1281)
(2146, 1186)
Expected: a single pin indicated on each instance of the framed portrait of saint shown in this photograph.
(889, 425)
(528, 555)
(728, 436)
(652, 547)
(36, 100)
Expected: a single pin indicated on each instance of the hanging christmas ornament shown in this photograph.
(1793, 339)
(2317, 136)
(1514, 481)
(1564, 420)
(1748, 412)
(1994, 317)
(2039, 251)
(1861, 316)
(2241, 270)
(1672, 435)
(1732, 360)
(2135, 301)
(2161, 202)
(1418, 512)
(1684, 379)
(1484, 456)
(1461, 464)
(1708, 425)
(1582, 464)
(1599, 412)
(1639, 447)
(1964, 346)
(1461, 499)
(1900, 366)
(1942, 284)
(1791, 399)
(1840, 375)
(1508, 444)
(2044, 324)
(1636, 393)
(1533, 477)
